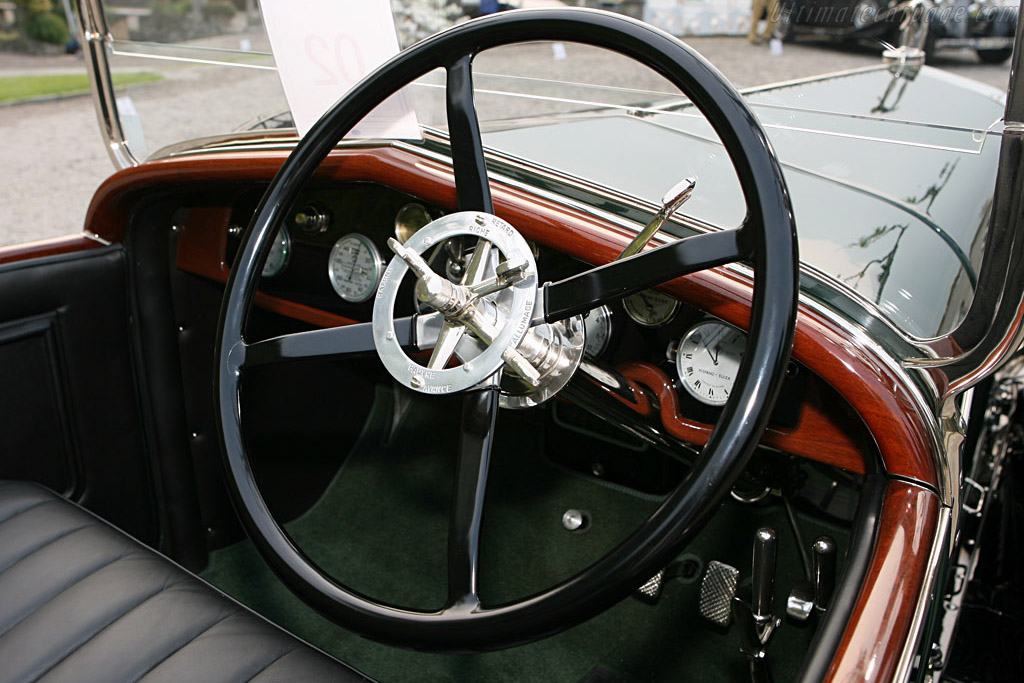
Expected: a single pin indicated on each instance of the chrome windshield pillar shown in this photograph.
(95, 40)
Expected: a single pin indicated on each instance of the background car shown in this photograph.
(986, 27)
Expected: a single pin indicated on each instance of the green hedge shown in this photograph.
(47, 27)
(219, 10)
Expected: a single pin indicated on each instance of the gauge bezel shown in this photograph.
(680, 371)
(639, 319)
(378, 262)
(287, 254)
(400, 225)
(604, 313)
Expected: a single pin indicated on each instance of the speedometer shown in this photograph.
(355, 267)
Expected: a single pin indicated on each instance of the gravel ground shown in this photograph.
(53, 157)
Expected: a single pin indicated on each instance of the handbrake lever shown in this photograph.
(757, 622)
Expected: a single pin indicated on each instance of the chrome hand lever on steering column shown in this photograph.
(673, 199)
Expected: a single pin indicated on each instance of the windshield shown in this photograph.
(891, 176)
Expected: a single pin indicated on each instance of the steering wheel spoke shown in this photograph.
(479, 410)
(326, 343)
(450, 336)
(580, 293)
(471, 183)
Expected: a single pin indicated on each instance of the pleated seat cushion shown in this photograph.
(81, 601)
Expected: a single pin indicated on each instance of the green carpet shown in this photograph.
(381, 528)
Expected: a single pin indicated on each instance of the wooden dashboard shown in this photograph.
(825, 430)
(888, 414)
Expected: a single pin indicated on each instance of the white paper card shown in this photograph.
(324, 47)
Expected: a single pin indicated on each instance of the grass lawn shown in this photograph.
(15, 88)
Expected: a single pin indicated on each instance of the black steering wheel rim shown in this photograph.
(769, 240)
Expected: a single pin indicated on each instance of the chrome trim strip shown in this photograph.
(96, 238)
(905, 665)
(860, 338)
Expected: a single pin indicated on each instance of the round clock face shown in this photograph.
(708, 359)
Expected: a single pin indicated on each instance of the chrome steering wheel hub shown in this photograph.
(493, 303)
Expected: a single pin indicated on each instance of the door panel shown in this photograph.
(69, 415)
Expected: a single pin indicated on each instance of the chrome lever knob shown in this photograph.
(823, 568)
(763, 580)
(673, 199)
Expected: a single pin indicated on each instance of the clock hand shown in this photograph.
(718, 347)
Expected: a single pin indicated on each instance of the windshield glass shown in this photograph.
(890, 176)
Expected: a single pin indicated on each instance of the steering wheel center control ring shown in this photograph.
(515, 312)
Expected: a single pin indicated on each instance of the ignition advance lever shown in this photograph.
(673, 199)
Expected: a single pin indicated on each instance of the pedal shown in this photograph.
(651, 590)
(717, 589)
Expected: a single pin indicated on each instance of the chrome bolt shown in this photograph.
(573, 520)
(417, 382)
(389, 335)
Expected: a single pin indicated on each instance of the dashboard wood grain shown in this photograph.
(878, 392)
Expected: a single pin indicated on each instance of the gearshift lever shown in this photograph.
(763, 580)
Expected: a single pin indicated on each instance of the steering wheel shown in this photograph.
(766, 238)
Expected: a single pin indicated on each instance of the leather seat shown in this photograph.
(81, 601)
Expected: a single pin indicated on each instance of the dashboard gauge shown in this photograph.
(277, 259)
(598, 326)
(355, 267)
(708, 359)
(650, 308)
(409, 219)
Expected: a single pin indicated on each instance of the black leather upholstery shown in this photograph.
(81, 601)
